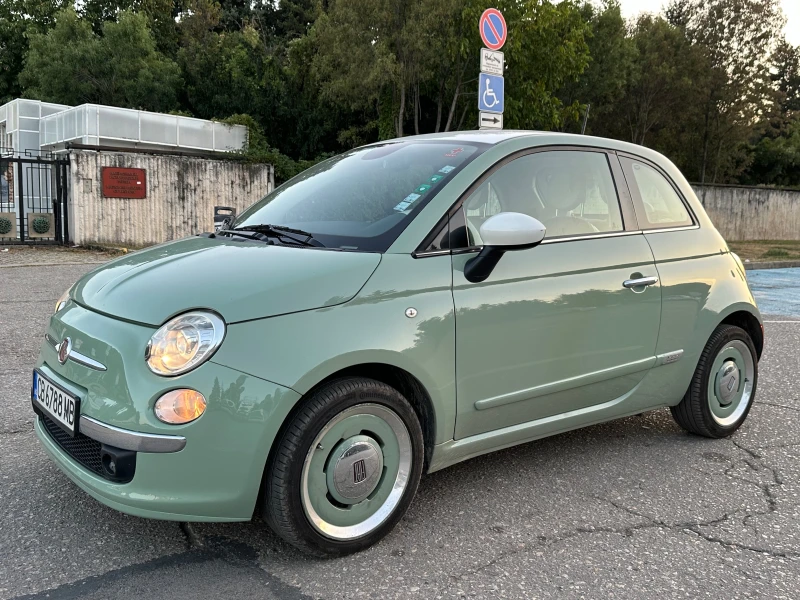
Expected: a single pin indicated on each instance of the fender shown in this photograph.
(698, 294)
(299, 350)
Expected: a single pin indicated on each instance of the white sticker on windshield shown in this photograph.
(407, 201)
(446, 169)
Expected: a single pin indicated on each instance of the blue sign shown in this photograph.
(491, 93)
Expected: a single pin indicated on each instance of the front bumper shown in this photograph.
(208, 470)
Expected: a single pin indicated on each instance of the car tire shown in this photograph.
(345, 469)
(723, 387)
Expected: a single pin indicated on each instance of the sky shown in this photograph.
(791, 10)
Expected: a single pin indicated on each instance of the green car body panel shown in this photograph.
(493, 364)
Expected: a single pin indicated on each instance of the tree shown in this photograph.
(786, 77)
(737, 37)
(662, 79)
(18, 20)
(602, 84)
(776, 160)
(363, 47)
(228, 72)
(546, 47)
(72, 65)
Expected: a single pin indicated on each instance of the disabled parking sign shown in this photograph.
(491, 93)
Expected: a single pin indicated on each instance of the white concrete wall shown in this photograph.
(181, 195)
(751, 213)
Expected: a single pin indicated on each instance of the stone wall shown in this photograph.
(752, 213)
(180, 197)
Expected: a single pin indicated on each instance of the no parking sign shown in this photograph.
(493, 29)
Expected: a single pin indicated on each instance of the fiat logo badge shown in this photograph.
(359, 471)
(64, 349)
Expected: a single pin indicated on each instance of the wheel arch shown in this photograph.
(398, 378)
(750, 323)
(405, 383)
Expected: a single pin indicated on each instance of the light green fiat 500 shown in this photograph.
(388, 313)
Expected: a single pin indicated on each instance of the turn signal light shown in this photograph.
(180, 406)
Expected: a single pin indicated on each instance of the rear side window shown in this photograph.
(658, 205)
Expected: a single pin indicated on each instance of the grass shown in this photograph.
(767, 250)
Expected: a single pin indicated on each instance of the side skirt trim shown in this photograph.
(455, 451)
(566, 384)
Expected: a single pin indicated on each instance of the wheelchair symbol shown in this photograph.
(489, 93)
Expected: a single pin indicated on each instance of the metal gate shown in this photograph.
(33, 198)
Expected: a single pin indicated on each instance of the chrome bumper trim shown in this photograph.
(130, 440)
(76, 357)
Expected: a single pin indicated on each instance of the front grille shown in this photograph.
(84, 450)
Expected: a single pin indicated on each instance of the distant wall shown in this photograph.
(752, 213)
(181, 195)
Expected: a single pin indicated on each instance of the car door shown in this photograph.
(553, 329)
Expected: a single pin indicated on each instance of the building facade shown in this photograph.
(52, 156)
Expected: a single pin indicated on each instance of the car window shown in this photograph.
(364, 198)
(660, 203)
(570, 192)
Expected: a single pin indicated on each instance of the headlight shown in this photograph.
(184, 342)
(63, 300)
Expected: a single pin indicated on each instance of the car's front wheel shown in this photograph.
(723, 386)
(345, 469)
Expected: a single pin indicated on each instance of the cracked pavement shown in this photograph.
(634, 508)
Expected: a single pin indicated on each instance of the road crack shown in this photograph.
(18, 431)
(729, 544)
(543, 541)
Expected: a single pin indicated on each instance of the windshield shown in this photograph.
(363, 199)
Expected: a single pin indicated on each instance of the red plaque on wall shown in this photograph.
(124, 183)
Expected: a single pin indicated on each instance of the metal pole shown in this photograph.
(63, 169)
(19, 183)
(585, 118)
(56, 174)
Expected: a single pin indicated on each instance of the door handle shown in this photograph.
(641, 282)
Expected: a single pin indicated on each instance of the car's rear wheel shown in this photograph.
(345, 469)
(723, 386)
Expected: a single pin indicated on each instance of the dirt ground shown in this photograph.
(767, 250)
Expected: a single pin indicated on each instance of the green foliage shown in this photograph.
(776, 253)
(709, 83)
(20, 19)
(5, 225)
(259, 151)
(73, 65)
(547, 48)
(776, 160)
(611, 62)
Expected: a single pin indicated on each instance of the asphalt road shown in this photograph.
(631, 509)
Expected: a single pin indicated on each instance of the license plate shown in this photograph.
(57, 403)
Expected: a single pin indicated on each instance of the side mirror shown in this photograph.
(502, 233)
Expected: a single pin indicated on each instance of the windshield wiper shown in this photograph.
(256, 236)
(281, 232)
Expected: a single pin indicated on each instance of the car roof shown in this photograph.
(536, 138)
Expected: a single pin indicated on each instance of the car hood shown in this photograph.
(239, 280)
